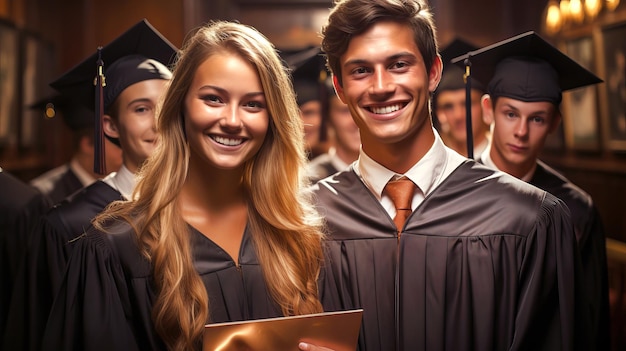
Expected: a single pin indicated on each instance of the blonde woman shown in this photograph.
(219, 227)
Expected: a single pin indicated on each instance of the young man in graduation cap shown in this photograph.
(442, 253)
(343, 139)
(308, 76)
(134, 67)
(526, 77)
(78, 173)
(449, 105)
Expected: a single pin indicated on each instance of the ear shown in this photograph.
(434, 76)
(487, 105)
(338, 89)
(109, 127)
(556, 119)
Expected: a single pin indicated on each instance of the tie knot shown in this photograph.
(401, 192)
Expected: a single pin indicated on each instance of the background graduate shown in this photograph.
(219, 227)
(526, 76)
(472, 259)
(449, 104)
(136, 78)
(62, 181)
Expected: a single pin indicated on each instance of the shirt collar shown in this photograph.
(335, 161)
(83, 176)
(123, 181)
(426, 173)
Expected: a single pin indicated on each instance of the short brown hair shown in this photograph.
(353, 17)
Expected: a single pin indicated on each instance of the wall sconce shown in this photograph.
(612, 4)
(567, 13)
(554, 17)
(592, 8)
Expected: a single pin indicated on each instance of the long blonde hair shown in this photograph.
(284, 224)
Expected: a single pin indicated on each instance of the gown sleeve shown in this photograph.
(39, 277)
(20, 209)
(91, 310)
(550, 315)
(45, 260)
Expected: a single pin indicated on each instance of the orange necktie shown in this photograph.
(401, 193)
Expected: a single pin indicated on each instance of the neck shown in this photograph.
(400, 156)
(516, 170)
(213, 188)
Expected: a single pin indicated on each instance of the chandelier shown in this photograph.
(563, 13)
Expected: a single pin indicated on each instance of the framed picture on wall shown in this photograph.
(614, 91)
(580, 106)
(37, 61)
(9, 45)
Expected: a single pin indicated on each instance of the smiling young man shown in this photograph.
(522, 104)
(473, 267)
(136, 77)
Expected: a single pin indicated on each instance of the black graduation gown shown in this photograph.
(42, 271)
(107, 295)
(322, 167)
(486, 262)
(20, 207)
(591, 239)
(65, 186)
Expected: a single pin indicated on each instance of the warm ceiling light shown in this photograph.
(612, 4)
(592, 8)
(565, 11)
(553, 17)
(576, 10)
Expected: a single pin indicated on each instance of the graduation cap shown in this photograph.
(526, 68)
(141, 53)
(452, 76)
(76, 116)
(308, 73)
(310, 79)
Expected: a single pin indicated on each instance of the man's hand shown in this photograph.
(310, 347)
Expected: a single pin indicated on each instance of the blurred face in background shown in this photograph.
(347, 136)
(311, 113)
(451, 112)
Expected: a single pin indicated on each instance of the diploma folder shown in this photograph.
(338, 331)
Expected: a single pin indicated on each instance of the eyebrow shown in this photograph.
(394, 57)
(143, 100)
(225, 92)
(539, 112)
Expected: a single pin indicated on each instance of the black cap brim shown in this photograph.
(76, 116)
(452, 76)
(308, 73)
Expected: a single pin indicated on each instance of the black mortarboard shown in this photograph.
(141, 53)
(309, 78)
(76, 116)
(452, 76)
(526, 68)
(308, 73)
